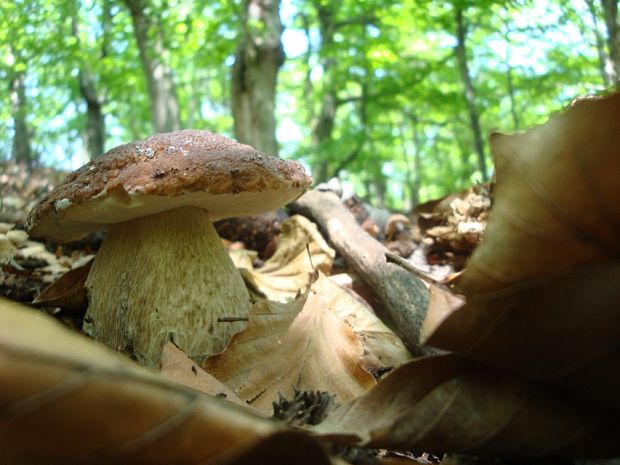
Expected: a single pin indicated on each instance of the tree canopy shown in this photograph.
(395, 97)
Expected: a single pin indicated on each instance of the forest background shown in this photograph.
(395, 98)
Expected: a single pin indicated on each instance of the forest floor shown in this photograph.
(329, 342)
(437, 237)
(435, 240)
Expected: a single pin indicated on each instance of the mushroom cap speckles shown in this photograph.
(164, 171)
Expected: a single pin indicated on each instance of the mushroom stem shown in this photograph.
(164, 277)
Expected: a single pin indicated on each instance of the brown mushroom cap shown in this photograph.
(166, 171)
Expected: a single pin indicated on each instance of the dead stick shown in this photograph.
(404, 296)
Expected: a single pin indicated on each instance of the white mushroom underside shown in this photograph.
(72, 221)
(164, 277)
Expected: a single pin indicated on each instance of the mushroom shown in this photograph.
(161, 272)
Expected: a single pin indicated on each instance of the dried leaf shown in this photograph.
(7, 249)
(285, 348)
(542, 289)
(443, 403)
(301, 252)
(68, 291)
(382, 348)
(243, 258)
(442, 303)
(282, 448)
(178, 367)
(67, 400)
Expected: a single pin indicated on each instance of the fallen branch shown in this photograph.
(404, 296)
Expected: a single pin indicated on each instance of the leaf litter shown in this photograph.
(535, 343)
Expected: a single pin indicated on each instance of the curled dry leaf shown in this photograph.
(178, 367)
(301, 252)
(67, 400)
(301, 345)
(243, 258)
(382, 348)
(68, 291)
(443, 403)
(442, 303)
(281, 448)
(7, 249)
(542, 289)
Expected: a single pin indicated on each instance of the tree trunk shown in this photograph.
(509, 82)
(413, 169)
(322, 132)
(465, 170)
(308, 86)
(600, 43)
(379, 184)
(94, 132)
(94, 135)
(21, 151)
(512, 95)
(416, 186)
(470, 95)
(612, 67)
(255, 75)
(159, 76)
(324, 124)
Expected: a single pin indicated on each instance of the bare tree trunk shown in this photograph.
(255, 75)
(379, 184)
(416, 186)
(94, 132)
(516, 121)
(413, 170)
(94, 135)
(600, 43)
(464, 145)
(159, 76)
(324, 124)
(612, 67)
(470, 95)
(21, 151)
(308, 86)
(509, 82)
(322, 131)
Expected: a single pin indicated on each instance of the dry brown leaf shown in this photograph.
(7, 249)
(68, 291)
(382, 348)
(442, 303)
(443, 403)
(286, 347)
(301, 252)
(177, 366)
(281, 448)
(67, 400)
(243, 258)
(542, 289)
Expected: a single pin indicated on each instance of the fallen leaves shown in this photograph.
(453, 226)
(542, 288)
(301, 252)
(382, 348)
(444, 403)
(67, 400)
(534, 371)
(68, 291)
(177, 366)
(302, 345)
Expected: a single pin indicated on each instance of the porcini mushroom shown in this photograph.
(162, 272)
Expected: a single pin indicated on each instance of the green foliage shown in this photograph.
(401, 131)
